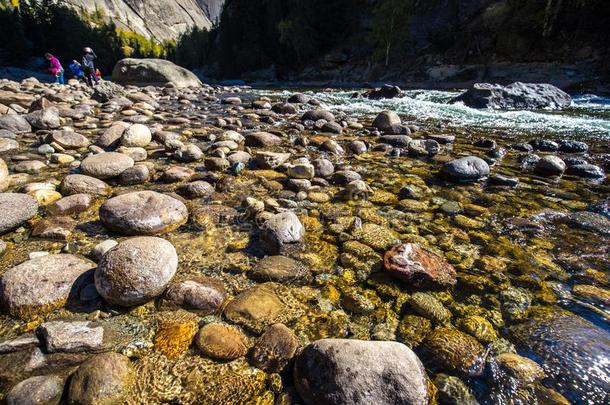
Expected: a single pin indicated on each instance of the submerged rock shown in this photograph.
(568, 346)
(274, 349)
(202, 294)
(452, 350)
(342, 371)
(516, 96)
(453, 391)
(279, 268)
(221, 342)
(589, 221)
(44, 390)
(417, 266)
(260, 307)
(522, 369)
(60, 336)
(102, 379)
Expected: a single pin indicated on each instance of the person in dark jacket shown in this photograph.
(89, 66)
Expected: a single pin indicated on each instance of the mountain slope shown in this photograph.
(156, 19)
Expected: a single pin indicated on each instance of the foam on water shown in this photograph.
(585, 119)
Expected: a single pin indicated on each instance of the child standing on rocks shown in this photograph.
(77, 70)
(55, 68)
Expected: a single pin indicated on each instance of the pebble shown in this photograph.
(222, 342)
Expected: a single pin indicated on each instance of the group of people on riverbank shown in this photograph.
(81, 71)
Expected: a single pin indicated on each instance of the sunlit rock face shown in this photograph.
(157, 19)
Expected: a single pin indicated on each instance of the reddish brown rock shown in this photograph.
(415, 265)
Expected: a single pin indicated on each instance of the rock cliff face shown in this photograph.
(156, 19)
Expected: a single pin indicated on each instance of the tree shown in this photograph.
(390, 25)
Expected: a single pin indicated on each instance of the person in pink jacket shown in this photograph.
(55, 68)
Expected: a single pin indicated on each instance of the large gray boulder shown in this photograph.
(516, 96)
(282, 231)
(143, 213)
(144, 72)
(15, 209)
(43, 389)
(346, 371)
(466, 169)
(43, 284)
(136, 270)
(14, 123)
(46, 118)
(106, 165)
(102, 379)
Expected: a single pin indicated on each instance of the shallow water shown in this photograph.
(507, 272)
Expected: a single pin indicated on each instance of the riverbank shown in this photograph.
(202, 244)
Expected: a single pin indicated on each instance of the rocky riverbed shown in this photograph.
(227, 245)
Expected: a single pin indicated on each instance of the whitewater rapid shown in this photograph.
(588, 117)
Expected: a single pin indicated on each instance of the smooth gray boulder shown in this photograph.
(516, 96)
(15, 209)
(81, 184)
(14, 123)
(102, 379)
(39, 390)
(386, 119)
(318, 114)
(69, 139)
(282, 231)
(47, 118)
(466, 169)
(358, 372)
(136, 270)
(550, 165)
(42, 284)
(143, 213)
(106, 165)
(145, 72)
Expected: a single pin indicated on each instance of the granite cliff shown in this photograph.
(156, 19)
